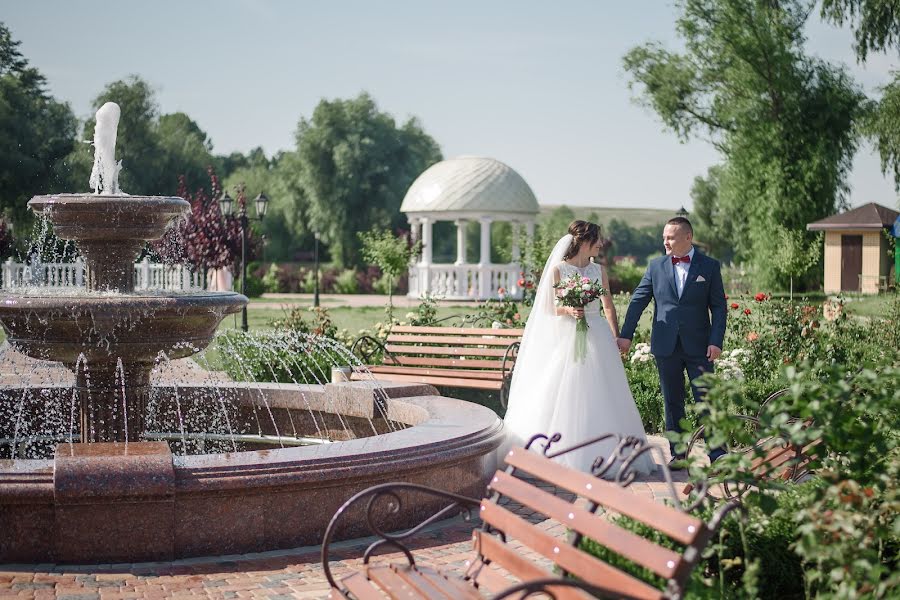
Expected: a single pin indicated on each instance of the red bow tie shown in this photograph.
(684, 259)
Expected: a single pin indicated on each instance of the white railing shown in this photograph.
(464, 282)
(147, 276)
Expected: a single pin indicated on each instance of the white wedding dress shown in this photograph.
(551, 392)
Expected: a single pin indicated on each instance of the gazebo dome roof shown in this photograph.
(470, 184)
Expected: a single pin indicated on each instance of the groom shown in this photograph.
(688, 320)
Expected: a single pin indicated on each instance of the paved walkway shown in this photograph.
(278, 575)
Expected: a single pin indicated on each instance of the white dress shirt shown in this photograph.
(681, 272)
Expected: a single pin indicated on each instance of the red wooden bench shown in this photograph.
(498, 565)
(480, 358)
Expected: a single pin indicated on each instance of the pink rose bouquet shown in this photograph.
(577, 292)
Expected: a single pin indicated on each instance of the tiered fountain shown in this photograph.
(115, 497)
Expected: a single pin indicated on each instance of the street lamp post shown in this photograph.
(227, 205)
(316, 260)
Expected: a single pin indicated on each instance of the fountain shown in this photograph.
(116, 492)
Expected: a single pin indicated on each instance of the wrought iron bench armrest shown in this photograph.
(459, 503)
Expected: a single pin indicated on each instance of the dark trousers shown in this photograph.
(671, 380)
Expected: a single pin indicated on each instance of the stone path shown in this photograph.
(278, 575)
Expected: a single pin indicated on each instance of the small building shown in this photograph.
(463, 190)
(857, 257)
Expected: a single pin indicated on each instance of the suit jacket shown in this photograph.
(697, 318)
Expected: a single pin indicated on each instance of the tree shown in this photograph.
(792, 254)
(390, 253)
(876, 25)
(714, 224)
(205, 239)
(36, 131)
(153, 149)
(783, 121)
(353, 165)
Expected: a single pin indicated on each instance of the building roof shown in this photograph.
(867, 216)
(470, 184)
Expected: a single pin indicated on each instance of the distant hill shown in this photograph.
(636, 217)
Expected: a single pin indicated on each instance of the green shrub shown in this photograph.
(255, 287)
(346, 282)
(283, 357)
(270, 281)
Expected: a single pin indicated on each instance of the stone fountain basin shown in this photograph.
(97, 503)
(109, 218)
(133, 327)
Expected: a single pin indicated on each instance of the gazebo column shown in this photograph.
(484, 262)
(461, 241)
(461, 281)
(529, 232)
(424, 266)
(515, 242)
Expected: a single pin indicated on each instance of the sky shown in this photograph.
(537, 85)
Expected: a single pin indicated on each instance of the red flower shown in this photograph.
(501, 291)
(746, 311)
(726, 296)
(760, 297)
(521, 283)
(734, 305)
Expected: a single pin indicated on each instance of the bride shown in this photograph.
(551, 392)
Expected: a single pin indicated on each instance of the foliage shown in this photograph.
(876, 23)
(346, 282)
(793, 254)
(713, 225)
(7, 240)
(846, 534)
(503, 310)
(206, 239)
(286, 356)
(392, 254)
(155, 149)
(746, 84)
(631, 241)
(624, 276)
(352, 167)
(36, 132)
(425, 313)
(270, 280)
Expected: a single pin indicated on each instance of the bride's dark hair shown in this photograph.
(582, 232)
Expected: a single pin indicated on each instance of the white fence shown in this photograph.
(464, 282)
(147, 276)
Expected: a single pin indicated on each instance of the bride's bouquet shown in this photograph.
(577, 292)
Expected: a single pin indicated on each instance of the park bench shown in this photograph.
(478, 357)
(780, 459)
(582, 502)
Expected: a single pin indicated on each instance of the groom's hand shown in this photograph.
(713, 352)
(624, 345)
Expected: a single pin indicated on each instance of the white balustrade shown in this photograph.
(147, 276)
(462, 282)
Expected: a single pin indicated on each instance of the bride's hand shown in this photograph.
(576, 313)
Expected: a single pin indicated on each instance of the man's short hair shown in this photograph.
(681, 222)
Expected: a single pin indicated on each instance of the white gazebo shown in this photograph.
(462, 190)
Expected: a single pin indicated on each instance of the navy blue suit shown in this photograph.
(683, 327)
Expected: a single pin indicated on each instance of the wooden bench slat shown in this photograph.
(680, 526)
(578, 563)
(361, 587)
(517, 565)
(421, 584)
(427, 361)
(456, 588)
(481, 384)
(449, 340)
(392, 584)
(487, 577)
(661, 561)
(464, 373)
(444, 350)
(458, 330)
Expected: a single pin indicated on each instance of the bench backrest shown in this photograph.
(451, 347)
(584, 521)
